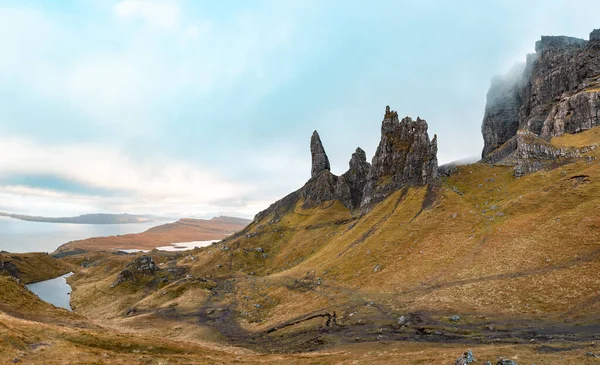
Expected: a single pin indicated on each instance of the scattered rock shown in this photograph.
(466, 358)
(506, 362)
(401, 320)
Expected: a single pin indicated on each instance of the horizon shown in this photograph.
(197, 109)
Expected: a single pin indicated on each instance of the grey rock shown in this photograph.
(506, 362)
(401, 320)
(141, 265)
(320, 162)
(573, 114)
(405, 157)
(455, 318)
(466, 358)
(534, 153)
(352, 183)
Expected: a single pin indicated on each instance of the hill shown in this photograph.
(184, 230)
(98, 218)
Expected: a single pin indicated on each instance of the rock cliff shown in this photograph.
(556, 92)
(320, 162)
(405, 157)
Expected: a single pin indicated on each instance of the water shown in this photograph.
(22, 236)
(178, 246)
(182, 246)
(54, 291)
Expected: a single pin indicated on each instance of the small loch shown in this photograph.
(54, 291)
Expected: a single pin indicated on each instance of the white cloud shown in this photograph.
(165, 14)
(96, 166)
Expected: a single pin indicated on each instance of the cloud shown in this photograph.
(100, 167)
(165, 14)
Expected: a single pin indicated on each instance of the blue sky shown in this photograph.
(195, 108)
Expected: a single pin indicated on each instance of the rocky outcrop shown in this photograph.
(555, 93)
(534, 153)
(573, 114)
(142, 265)
(320, 162)
(10, 269)
(405, 157)
(352, 183)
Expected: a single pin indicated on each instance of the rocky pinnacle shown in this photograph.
(320, 162)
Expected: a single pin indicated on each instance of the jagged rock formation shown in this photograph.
(555, 93)
(352, 183)
(405, 157)
(320, 162)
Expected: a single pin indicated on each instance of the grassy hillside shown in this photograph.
(507, 266)
(31, 267)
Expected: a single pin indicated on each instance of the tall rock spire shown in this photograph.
(405, 157)
(320, 162)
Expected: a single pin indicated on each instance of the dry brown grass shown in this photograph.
(492, 248)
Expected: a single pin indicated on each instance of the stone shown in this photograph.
(455, 318)
(405, 157)
(506, 362)
(320, 162)
(401, 320)
(466, 358)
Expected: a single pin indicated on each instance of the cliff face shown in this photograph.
(501, 119)
(556, 93)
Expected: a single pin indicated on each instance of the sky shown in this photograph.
(202, 108)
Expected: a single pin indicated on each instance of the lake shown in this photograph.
(178, 246)
(23, 236)
(54, 291)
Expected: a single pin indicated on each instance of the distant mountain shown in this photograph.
(98, 218)
(184, 230)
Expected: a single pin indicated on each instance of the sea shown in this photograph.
(22, 236)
